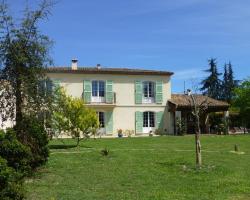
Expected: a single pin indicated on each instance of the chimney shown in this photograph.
(74, 64)
(98, 66)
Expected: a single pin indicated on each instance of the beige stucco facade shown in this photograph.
(6, 124)
(124, 107)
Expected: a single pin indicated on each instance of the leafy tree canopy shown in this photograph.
(24, 54)
(73, 117)
(242, 101)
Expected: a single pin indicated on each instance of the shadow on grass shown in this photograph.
(62, 146)
(68, 146)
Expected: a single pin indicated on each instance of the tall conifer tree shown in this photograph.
(228, 83)
(224, 84)
(211, 85)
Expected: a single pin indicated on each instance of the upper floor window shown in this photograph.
(148, 92)
(98, 88)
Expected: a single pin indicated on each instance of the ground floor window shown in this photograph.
(148, 119)
(101, 119)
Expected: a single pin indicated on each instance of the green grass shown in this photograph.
(144, 168)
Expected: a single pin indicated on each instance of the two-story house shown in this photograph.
(127, 99)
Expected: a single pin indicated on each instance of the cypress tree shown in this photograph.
(224, 84)
(211, 84)
(228, 83)
(231, 83)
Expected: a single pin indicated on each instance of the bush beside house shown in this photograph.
(10, 183)
(19, 157)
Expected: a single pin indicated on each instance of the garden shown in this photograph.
(35, 165)
(160, 167)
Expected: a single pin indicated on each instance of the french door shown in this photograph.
(98, 91)
(148, 122)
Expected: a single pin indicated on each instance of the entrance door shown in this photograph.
(148, 122)
(101, 119)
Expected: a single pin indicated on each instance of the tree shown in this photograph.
(224, 84)
(24, 54)
(242, 101)
(198, 107)
(71, 116)
(231, 82)
(228, 83)
(211, 84)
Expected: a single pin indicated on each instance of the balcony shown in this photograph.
(102, 101)
(148, 100)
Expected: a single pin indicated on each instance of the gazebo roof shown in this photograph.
(182, 101)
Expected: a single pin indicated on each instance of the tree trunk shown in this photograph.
(198, 143)
(18, 105)
(19, 115)
(207, 123)
(78, 139)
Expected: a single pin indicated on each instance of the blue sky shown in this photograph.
(178, 36)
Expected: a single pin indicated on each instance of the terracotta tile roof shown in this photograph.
(182, 100)
(107, 70)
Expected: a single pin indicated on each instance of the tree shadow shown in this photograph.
(68, 146)
(62, 146)
(85, 146)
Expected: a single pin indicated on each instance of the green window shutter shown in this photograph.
(138, 92)
(87, 87)
(158, 92)
(109, 122)
(159, 119)
(138, 121)
(109, 91)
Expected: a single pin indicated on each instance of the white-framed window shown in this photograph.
(98, 91)
(148, 119)
(148, 92)
(101, 119)
(148, 122)
(98, 88)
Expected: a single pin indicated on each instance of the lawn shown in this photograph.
(144, 168)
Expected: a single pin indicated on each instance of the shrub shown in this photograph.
(181, 126)
(105, 152)
(35, 137)
(18, 156)
(160, 132)
(10, 184)
(129, 133)
(120, 132)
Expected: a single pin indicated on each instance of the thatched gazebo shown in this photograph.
(180, 106)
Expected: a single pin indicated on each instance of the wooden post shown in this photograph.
(174, 123)
(226, 116)
(207, 123)
(177, 115)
